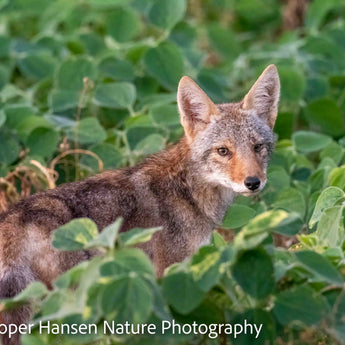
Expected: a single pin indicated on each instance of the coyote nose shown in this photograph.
(252, 183)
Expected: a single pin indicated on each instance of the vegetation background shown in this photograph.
(88, 85)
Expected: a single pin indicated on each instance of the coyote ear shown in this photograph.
(194, 106)
(264, 95)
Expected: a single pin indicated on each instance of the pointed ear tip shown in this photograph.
(184, 80)
(272, 69)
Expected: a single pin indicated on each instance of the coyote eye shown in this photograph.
(223, 151)
(258, 147)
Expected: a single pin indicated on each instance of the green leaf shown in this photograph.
(117, 69)
(333, 151)
(115, 95)
(326, 114)
(62, 100)
(106, 4)
(165, 115)
(318, 10)
(110, 155)
(10, 148)
(72, 72)
(225, 41)
(218, 240)
(15, 113)
(336, 177)
(5, 76)
(87, 131)
(123, 24)
(165, 63)
(329, 230)
(309, 141)
(300, 303)
(33, 291)
(28, 124)
(29, 339)
(75, 235)
(167, 13)
(205, 267)
(107, 236)
(5, 43)
(136, 134)
(293, 83)
(137, 235)
(127, 298)
(43, 141)
(320, 266)
(253, 271)
(290, 226)
(128, 260)
(182, 292)
(258, 228)
(291, 200)
(278, 178)
(151, 144)
(37, 66)
(237, 216)
(2, 118)
(327, 199)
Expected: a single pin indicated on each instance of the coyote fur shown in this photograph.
(185, 189)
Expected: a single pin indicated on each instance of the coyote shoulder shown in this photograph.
(185, 189)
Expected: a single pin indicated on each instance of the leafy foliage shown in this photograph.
(87, 85)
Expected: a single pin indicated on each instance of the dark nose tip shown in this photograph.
(252, 183)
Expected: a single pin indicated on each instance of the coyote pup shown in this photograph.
(185, 189)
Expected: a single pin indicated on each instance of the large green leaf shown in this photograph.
(115, 95)
(327, 199)
(237, 216)
(317, 11)
(293, 83)
(62, 100)
(165, 63)
(116, 69)
(166, 13)
(151, 144)
(87, 131)
(137, 235)
(336, 177)
(253, 271)
(205, 267)
(10, 148)
(300, 303)
(258, 228)
(225, 41)
(72, 72)
(75, 235)
(319, 265)
(326, 114)
(165, 115)
(128, 260)
(109, 154)
(123, 24)
(329, 229)
(37, 66)
(42, 141)
(107, 236)
(309, 141)
(291, 200)
(127, 298)
(182, 292)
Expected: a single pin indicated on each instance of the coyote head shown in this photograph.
(230, 144)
